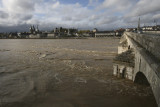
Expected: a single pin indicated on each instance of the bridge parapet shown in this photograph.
(149, 42)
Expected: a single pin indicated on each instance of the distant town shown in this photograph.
(60, 32)
(35, 33)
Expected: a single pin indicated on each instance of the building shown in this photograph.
(58, 32)
(147, 28)
(97, 33)
(123, 65)
(13, 35)
(151, 28)
(119, 32)
(23, 35)
(95, 30)
(104, 33)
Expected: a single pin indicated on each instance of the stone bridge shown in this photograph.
(138, 59)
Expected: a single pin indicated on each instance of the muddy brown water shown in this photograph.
(65, 73)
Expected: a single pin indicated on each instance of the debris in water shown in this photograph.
(82, 80)
(42, 56)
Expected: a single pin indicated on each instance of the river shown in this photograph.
(65, 73)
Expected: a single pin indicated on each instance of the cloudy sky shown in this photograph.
(18, 15)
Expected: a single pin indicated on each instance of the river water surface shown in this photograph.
(65, 73)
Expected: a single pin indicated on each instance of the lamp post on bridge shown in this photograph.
(139, 30)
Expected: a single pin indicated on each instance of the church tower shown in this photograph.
(37, 30)
(31, 29)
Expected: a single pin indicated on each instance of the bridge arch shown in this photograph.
(140, 78)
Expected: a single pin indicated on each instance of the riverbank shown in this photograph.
(67, 38)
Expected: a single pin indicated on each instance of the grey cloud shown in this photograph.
(94, 17)
(144, 7)
(117, 5)
(67, 18)
(17, 12)
(16, 28)
(157, 16)
(22, 17)
(107, 20)
(145, 19)
(25, 5)
(19, 6)
(26, 17)
(3, 15)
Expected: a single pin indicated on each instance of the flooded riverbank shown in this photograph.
(65, 73)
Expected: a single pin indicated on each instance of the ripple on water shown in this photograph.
(15, 88)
